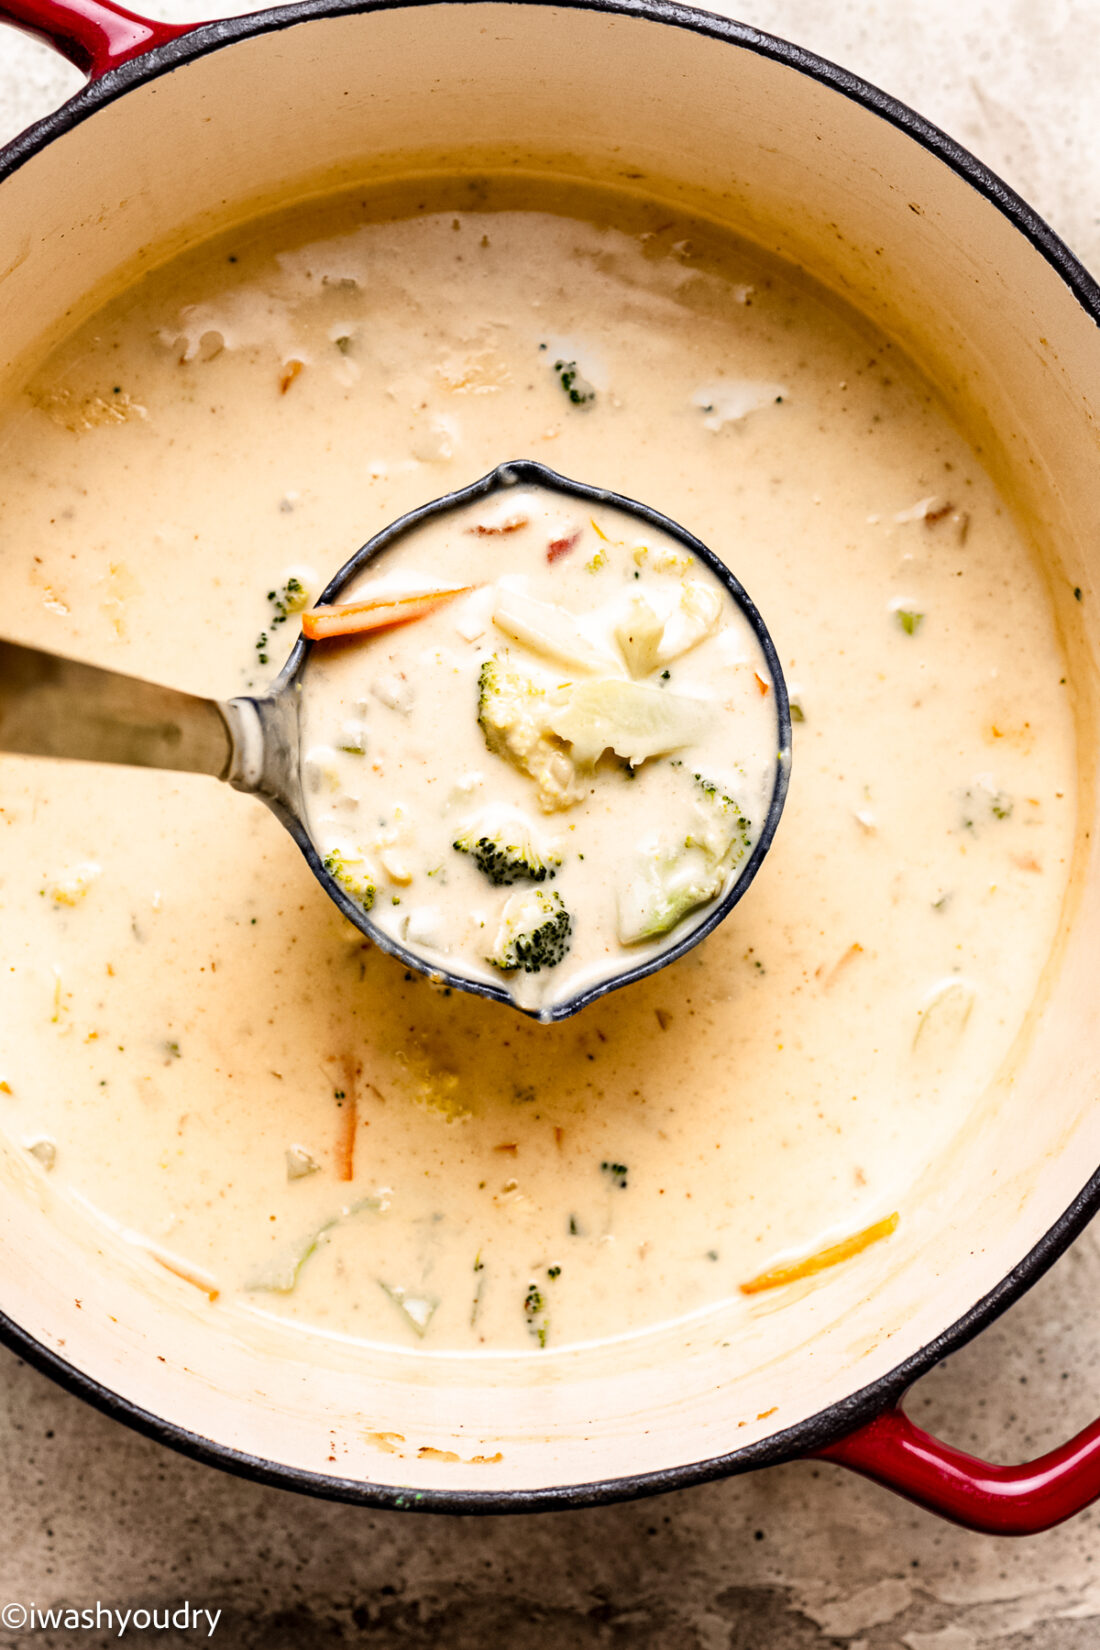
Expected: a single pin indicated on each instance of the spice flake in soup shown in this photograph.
(541, 776)
(222, 1077)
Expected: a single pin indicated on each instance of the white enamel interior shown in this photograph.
(824, 181)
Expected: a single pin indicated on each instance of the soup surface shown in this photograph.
(197, 1046)
(593, 710)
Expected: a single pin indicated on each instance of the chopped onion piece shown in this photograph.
(943, 1019)
(635, 721)
(550, 631)
(639, 634)
(696, 617)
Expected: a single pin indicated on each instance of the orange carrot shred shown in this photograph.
(762, 686)
(357, 618)
(854, 950)
(181, 1272)
(293, 368)
(349, 1112)
(777, 1276)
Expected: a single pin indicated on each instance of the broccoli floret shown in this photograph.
(505, 853)
(672, 877)
(508, 708)
(725, 832)
(534, 1310)
(291, 598)
(575, 385)
(352, 876)
(535, 932)
(667, 882)
(511, 712)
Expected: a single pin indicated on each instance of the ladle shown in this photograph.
(57, 707)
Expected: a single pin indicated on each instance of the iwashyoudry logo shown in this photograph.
(36, 1618)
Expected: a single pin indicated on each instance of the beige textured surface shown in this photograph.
(800, 1558)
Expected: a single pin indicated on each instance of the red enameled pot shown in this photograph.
(183, 130)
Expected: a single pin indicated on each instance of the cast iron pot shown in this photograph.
(182, 130)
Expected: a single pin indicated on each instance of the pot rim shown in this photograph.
(828, 1425)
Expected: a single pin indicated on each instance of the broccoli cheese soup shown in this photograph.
(595, 710)
(237, 1087)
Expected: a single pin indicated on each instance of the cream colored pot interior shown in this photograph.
(824, 181)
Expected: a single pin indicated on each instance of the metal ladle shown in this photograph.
(58, 707)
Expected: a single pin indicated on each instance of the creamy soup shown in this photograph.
(593, 710)
(205, 1055)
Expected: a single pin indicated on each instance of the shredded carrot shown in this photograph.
(349, 1114)
(854, 950)
(290, 373)
(762, 687)
(196, 1281)
(561, 547)
(356, 618)
(778, 1276)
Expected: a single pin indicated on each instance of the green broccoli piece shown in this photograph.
(535, 932)
(724, 827)
(667, 883)
(534, 1310)
(575, 385)
(672, 877)
(292, 598)
(506, 854)
(511, 713)
(505, 702)
(352, 877)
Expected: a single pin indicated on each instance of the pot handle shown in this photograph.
(95, 35)
(1021, 1500)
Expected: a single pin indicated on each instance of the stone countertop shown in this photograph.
(798, 1558)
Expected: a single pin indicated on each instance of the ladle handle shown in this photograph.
(53, 706)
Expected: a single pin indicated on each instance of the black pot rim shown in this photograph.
(842, 1417)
